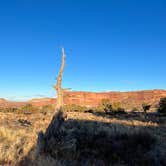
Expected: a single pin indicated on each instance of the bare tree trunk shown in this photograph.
(58, 88)
(53, 133)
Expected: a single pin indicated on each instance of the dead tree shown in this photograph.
(48, 141)
(58, 88)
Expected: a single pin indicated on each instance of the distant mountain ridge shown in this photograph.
(35, 102)
(128, 99)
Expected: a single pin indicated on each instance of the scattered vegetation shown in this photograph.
(162, 106)
(29, 108)
(24, 122)
(82, 137)
(74, 107)
(47, 109)
(135, 109)
(109, 108)
(104, 107)
(146, 107)
(9, 109)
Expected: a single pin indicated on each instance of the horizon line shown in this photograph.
(51, 97)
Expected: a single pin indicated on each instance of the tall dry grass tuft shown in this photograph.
(14, 145)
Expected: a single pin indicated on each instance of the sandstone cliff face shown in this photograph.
(128, 99)
(42, 102)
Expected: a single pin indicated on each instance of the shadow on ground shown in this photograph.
(139, 116)
(87, 143)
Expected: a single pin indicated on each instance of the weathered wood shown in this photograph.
(58, 88)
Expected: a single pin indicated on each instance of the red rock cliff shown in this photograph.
(128, 99)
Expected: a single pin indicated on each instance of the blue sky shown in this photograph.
(111, 45)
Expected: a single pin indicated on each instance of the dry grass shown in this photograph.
(17, 142)
(14, 144)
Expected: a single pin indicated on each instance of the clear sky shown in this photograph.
(111, 45)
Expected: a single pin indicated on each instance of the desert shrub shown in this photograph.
(105, 102)
(2, 109)
(145, 107)
(135, 109)
(74, 107)
(109, 108)
(28, 109)
(9, 110)
(47, 109)
(99, 109)
(117, 108)
(104, 106)
(162, 106)
(24, 122)
(89, 110)
(120, 110)
(116, 105)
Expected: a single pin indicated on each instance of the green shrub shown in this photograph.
(8, 109)
(105, 106)
(162, 106)
(146, 107)
(105, 102)
(28, 108)
(47, 109)
(74, 107)
(117, 108)
(120, 110)
(116, 105)
(135, 109)
(109, 108)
